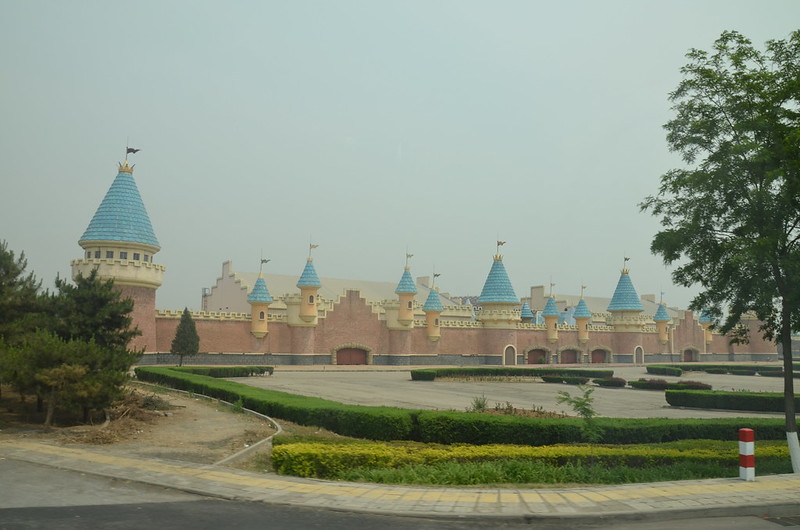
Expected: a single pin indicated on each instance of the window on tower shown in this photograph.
(97, 254)
(135, 256)
(123, 255)
(146, 257)
(109, 254)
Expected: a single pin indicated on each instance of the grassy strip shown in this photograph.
(341, 460)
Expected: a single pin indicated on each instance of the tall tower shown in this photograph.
(500, 307)
(625, 306)
(120, 244)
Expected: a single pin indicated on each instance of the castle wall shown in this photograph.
(144, 315)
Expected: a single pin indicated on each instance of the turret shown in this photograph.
(259, 300)
(705, 322)
(582, 315)
(662, 320)
(433, 308)
(625, 306)
(119, 244)
(405, 292)
(499, 305)
(551, 315)
(526, 314)
(309, 284)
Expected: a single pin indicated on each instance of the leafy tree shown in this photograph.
(92, 308)
(583, 406)
(186, 341)
(731, 216)
(20, 304)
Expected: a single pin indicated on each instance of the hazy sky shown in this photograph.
(367, 127)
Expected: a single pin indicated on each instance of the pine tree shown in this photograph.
(186, 341)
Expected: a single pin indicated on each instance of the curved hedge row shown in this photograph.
(449, 427)
(226, 371)
(505, 371)
(753, 401)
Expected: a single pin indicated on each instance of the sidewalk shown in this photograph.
(770, 495)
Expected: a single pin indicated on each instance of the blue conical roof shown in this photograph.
(433, 303)
(625, 297)
(497, 289)
(550, 309)
(406, 284)
(309, 277)
(661, 314)
(121, 215)
(582, 310)
(260, 293)
(705, 316)
(526, 311)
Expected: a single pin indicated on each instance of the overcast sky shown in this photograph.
(366, 127)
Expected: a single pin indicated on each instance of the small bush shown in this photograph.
(717, 370)
(688, 385)
(552, 379)
(649, 384)
(614, 382)
(752, 401)
(660, 369)
(423, 375)
(736, 371)
(770, 373)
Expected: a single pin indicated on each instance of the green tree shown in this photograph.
(731, 215)
(20, 301)
(186, 341)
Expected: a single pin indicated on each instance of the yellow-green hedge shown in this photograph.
(327, 460)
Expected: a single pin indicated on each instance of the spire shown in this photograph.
(309, 277)
(661, 314)
(625, 297)
(705, 316)
(526, 311)
(497, 289)
(550, 309)
(121, 215)
(582, 310)
(406, 284)
(260, 293)
(433, 303)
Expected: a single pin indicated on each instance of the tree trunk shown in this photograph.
(51, 408)
(788, 386)
(39, 402)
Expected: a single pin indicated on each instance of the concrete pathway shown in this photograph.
(770, 495)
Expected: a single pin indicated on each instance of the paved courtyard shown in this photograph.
(392, 386)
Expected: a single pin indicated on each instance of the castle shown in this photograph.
(327, 321)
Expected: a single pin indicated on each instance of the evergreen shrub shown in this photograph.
(423, 375)
(751, 401)
(614, 382)
(659, 369)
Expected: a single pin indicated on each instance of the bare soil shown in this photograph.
(147, 424)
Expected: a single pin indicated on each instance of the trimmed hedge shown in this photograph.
(570, 380)
(613, 382)
(449, 427)
(661, 384)
(753, 401)
(660, 369)
(327, 460)
(506, 371)
(423, 375)
(226, 371)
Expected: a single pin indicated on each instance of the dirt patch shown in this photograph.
(164, 425)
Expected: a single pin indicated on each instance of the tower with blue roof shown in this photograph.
(309, 284)
(625, 306)
(705, 322)
(499, 305)
(662, 320)
(551, 314)
(433, 309)
(259, 300)
(582, 315)
(405, 291)
(119, 244)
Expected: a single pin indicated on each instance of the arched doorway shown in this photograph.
(569, 357)
(599, 356)
(638, 355)
(510, 356)
(351, 356)
(537, 356)
(690, 355)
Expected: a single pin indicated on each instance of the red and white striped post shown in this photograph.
(747, 455)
